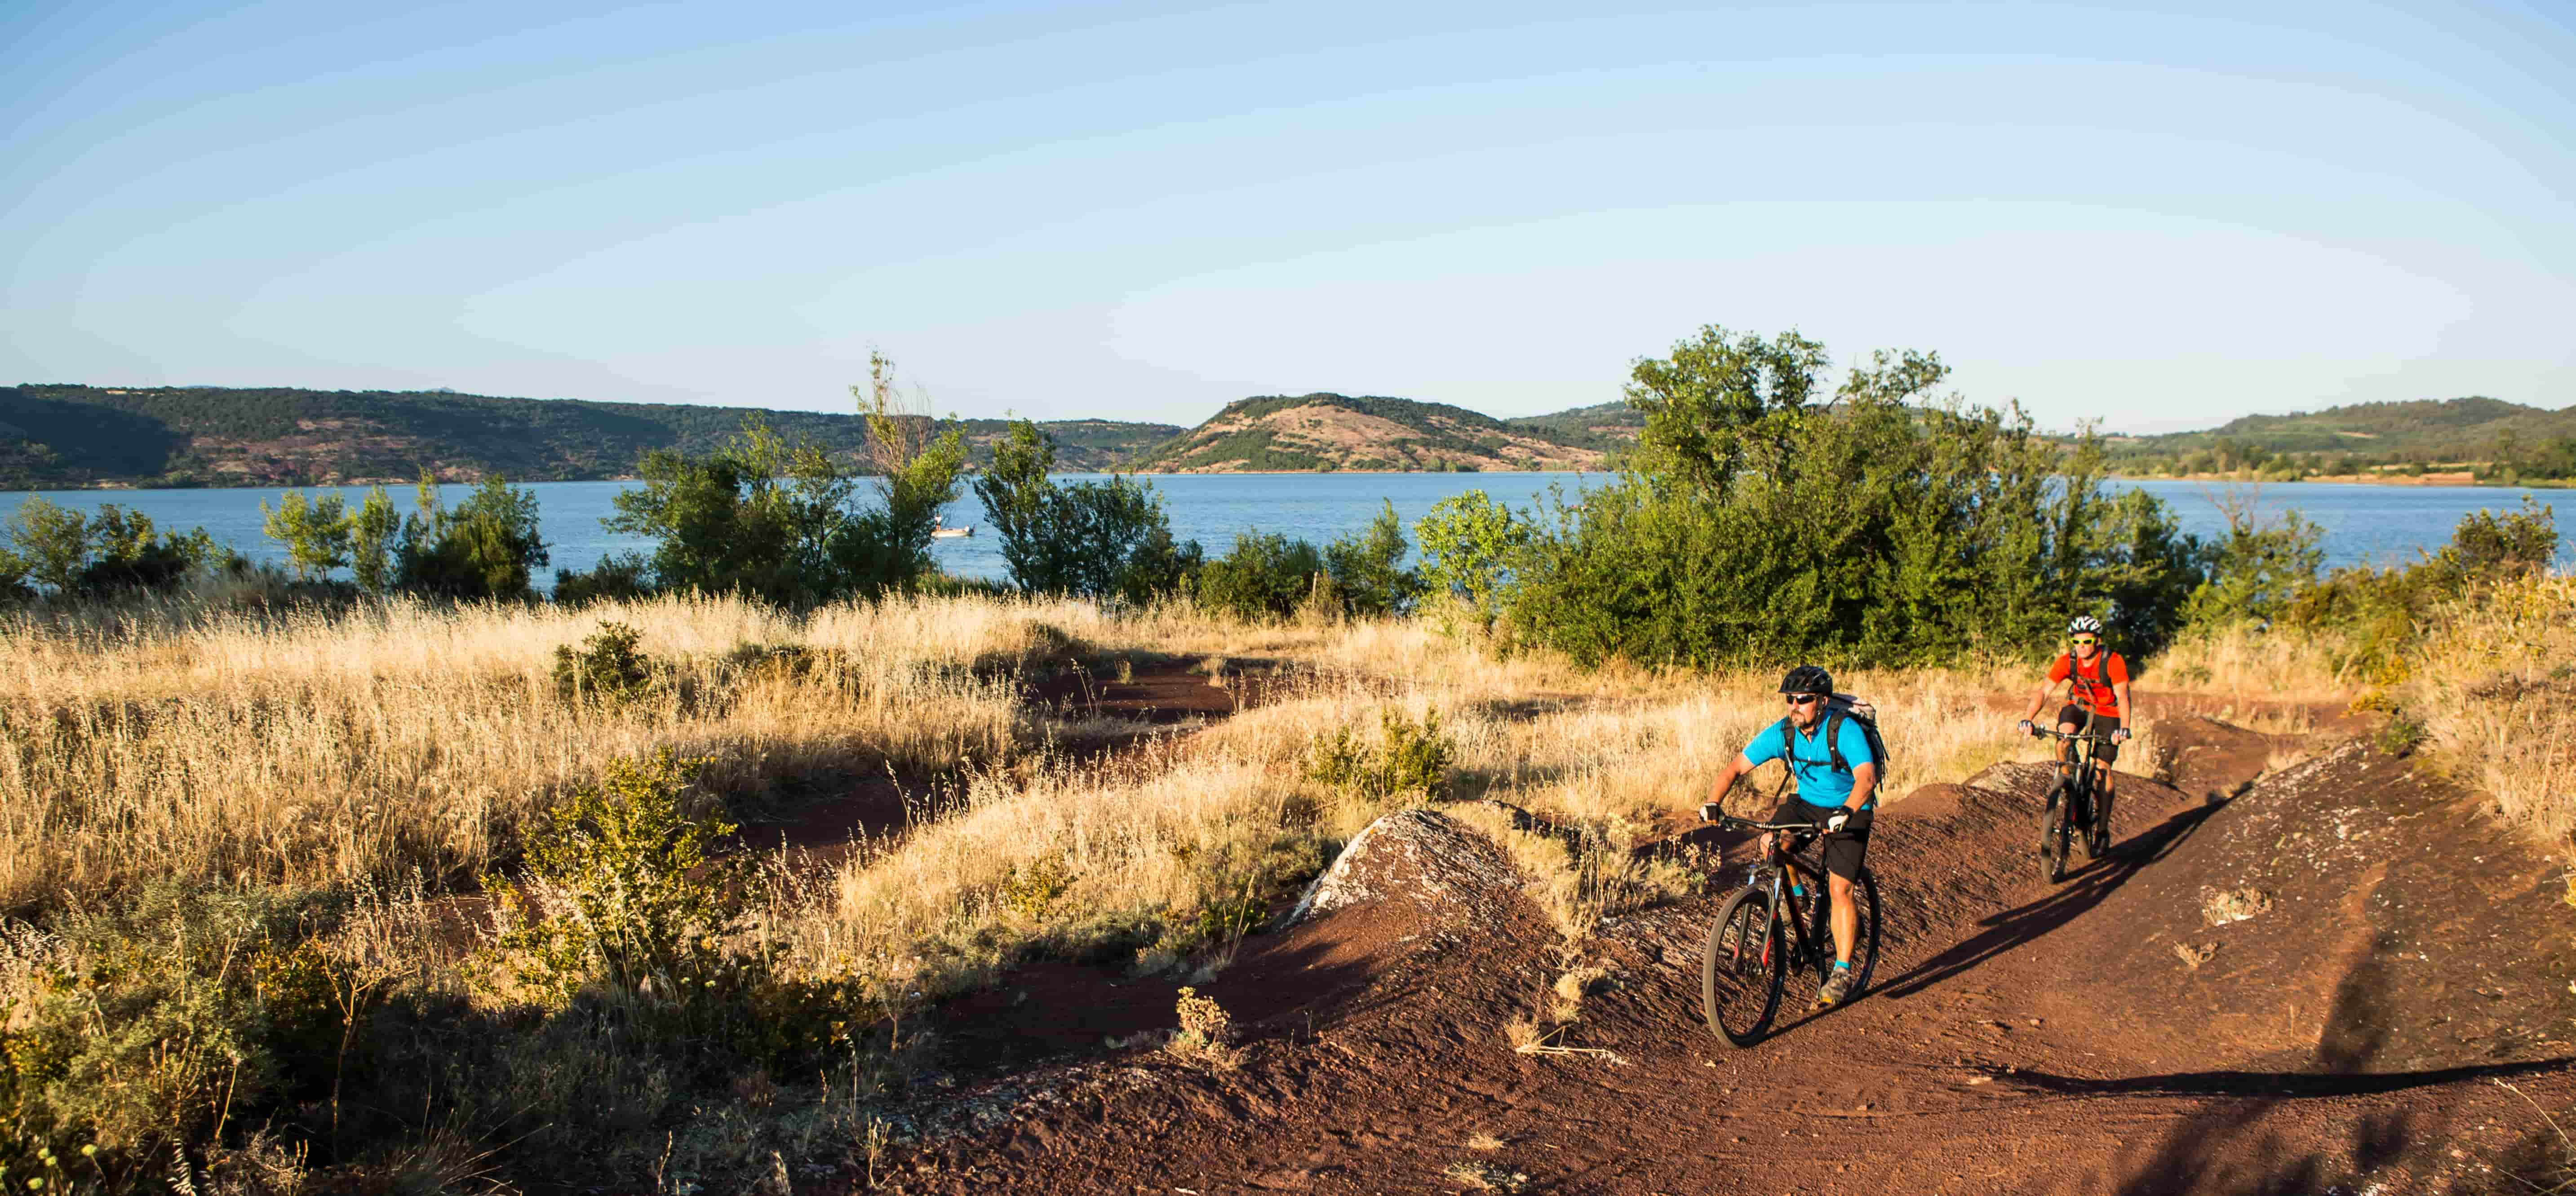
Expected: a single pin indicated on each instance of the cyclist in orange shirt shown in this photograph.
(2097, 685)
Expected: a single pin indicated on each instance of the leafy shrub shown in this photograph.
(1468, 544)
(621, 888)
(1264, 578)
(623, 578)
(626, 896)
(610, 666)
(141, 1025)
(2378, 615)
(1032, 889)
(1206, 1036)
(2402, 734)
(1408, 758)
(1364, 570)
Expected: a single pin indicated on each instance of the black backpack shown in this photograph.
(1837, 708)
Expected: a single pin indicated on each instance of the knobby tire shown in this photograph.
(1739, 988)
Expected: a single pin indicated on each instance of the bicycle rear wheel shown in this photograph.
(1739, 981)
(2054, 836)
(2101, 822)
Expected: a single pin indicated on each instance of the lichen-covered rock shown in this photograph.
(1416, 858)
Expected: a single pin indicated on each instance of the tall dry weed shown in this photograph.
(2494, 684)
(321, 748)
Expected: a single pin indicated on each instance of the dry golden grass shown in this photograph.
(2256, 666)
(2495, 688)
(313, 749)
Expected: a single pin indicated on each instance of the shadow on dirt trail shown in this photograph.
(2235, 1147)
(2082, 891)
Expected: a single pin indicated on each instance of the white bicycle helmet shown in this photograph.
(2084, 625)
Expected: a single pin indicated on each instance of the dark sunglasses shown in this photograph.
(1800, 699)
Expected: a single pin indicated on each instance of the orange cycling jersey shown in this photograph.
(2093, 679)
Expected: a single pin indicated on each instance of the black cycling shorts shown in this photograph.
(2103, 724)
(1843, 852)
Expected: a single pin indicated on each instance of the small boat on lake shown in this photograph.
(951, 533)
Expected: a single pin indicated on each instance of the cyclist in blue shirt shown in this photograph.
(1839, 800)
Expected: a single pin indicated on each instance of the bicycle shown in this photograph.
(1779, 926)
(2076, 800)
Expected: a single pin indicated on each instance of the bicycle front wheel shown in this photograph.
(1742, 972)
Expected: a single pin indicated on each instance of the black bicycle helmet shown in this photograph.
(1807, 679)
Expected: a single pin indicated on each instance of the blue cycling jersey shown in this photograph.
(1820, 784)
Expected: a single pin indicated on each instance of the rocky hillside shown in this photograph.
(59, 437)
(1336, 432)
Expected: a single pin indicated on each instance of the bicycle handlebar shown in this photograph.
(2040, 732)
(1732, 822)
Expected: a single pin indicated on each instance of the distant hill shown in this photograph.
(1333, 432)
(2424, 428)
(56, 436)
(1611, 427)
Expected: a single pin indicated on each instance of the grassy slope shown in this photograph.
(62, 436)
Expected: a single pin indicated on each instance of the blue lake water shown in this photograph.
(2378, 524)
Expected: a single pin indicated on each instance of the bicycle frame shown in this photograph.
(1804, 940)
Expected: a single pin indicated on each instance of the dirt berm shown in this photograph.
(2336, 977)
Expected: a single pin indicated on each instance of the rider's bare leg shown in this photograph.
(2065, 749)
(1845, 918)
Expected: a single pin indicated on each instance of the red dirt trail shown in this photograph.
(2404, 960)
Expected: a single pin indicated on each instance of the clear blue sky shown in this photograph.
(2164, 216)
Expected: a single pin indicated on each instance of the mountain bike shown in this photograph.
(2076, 802)
(1780, 926)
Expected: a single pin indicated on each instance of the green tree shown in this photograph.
(13, 578)
(52, 541)
(1365, 571)
(126, 553)
(918, 463)
(782, 521)
(1883, 526)
(1016, 494)
(1090, 539)
(1704, 403)
(315, 532)
(1468, 542)
(2259, 566)
(484, 548)
(371, 532)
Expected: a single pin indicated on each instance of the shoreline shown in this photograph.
(2444, 481)
(2451, 481)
